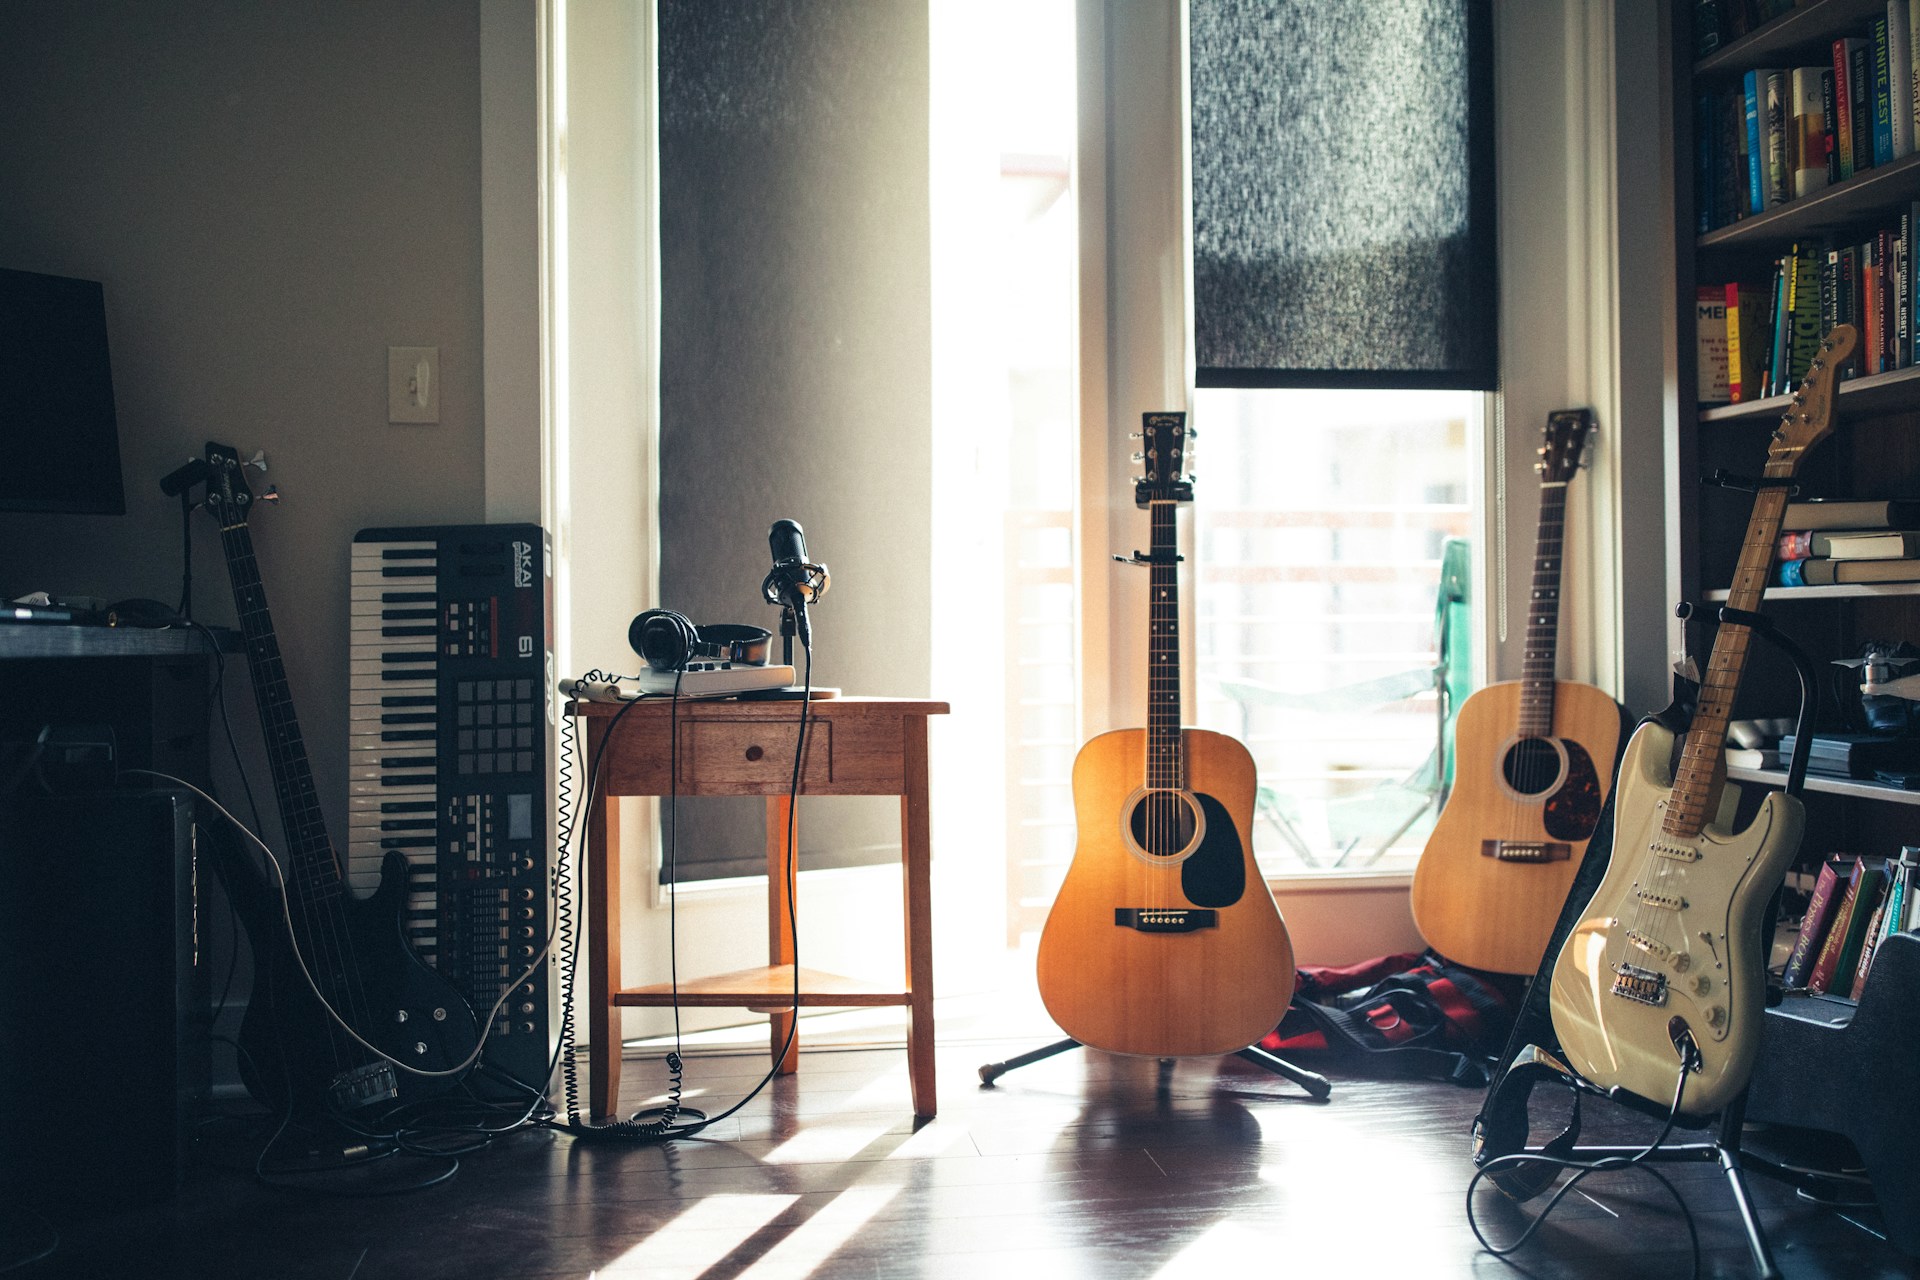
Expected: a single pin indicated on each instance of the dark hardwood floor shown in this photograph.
(1074, 1167)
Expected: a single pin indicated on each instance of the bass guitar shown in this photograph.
(312, 940)
(1533, 760)
(1666, 964)
(1164, 940)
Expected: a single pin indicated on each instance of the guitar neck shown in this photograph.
(1537, 672)
(313, 871)
(1701, 775)
(1165, 766)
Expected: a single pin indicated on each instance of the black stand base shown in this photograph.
(1315, 1085)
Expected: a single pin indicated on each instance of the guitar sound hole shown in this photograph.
(1532, 766)
(1163, 823)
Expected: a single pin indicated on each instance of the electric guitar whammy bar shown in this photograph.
(1666, 961)
(1164, 940)
(1532, 763)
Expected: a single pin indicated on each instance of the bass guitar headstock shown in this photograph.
(229, 498)
(1163, 457)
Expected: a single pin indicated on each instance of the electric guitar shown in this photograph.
(1533, 760)
(321, 941)
(1164, 940)
(1667, 961)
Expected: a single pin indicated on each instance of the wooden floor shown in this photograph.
(1074, 1167)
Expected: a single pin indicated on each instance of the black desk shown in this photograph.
(150, 687)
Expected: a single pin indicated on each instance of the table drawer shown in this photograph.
(753, 756)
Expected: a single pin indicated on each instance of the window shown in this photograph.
(1323, 524)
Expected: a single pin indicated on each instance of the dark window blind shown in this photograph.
(1343, 197)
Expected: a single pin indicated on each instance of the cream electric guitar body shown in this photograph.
(1668, 953)
(1164, 940)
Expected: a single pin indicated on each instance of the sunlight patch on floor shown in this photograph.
(707, 1232)
(804, 1250)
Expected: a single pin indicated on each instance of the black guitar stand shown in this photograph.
(1316, 1085)
(1500, 1130)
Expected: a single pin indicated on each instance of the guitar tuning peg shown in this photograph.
(272, 494)
(258, 460)
(1193, 433)
(1136, 435)
(1139, 456)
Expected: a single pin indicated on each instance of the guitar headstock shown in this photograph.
(1163, 455)
(1563, 446)
(1809, 418)
(228, 496)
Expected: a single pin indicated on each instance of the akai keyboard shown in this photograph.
(450, 719)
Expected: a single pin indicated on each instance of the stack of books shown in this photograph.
(1857, 903)
(1825, 543)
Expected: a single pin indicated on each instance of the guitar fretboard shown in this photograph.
(1543, 615)
(313, 875)
(1165, 768)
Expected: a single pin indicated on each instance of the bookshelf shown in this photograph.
(1874, 453)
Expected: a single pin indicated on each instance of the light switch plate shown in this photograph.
(413, 384)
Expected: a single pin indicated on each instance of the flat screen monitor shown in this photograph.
(59, 440)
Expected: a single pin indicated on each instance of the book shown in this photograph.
(1746, 338)
(1833, 970)
(1869, 351)
(1806, 133)
(1754, 84)
(1813, 925)
(1828, 137)
(1885, 295)
(1902, 286)
(1882, 95)
(1860, 84)
(1879, 544)
(1855, 754)
(1899, 78)
(1803, 338)
(1869, 939)
(1847, 287)
(1879, 513)
(1777, 111)
(1710, 344)
(1886, 920)
(1792, 573)
(1777, 326)
(1795, 544)
(1749, 758)
(1843, 105)
(1853, 572)
(1706, 27)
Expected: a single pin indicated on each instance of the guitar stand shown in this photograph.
(1316, 1085)
(1724, 1148)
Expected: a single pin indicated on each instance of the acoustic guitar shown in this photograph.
(319, 942)
(1533, 760)
(1164, 940)
(1666, 961)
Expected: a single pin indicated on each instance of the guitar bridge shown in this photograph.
(1631, 982)
(364, 1085)
(1165, 919)
(1526, 850)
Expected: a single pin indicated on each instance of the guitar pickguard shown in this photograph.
(1573, 811)
(1215, 874)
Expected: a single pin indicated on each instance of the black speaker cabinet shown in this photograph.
(103, 995)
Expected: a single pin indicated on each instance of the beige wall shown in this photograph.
(272, 195)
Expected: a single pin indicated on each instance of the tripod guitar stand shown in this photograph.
(1315, 1085)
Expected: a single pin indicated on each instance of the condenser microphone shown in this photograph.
(793, 582)
(788, 542)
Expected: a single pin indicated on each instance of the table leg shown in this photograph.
(603, 936)
(916, 858)
(780, 921)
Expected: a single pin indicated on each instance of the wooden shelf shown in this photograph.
(1840, 591)
(764, 987)
(1807, 29)
(1877, 394)
(1877, 191)
(1854, 787)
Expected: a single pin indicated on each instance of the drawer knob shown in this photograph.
(755, 752)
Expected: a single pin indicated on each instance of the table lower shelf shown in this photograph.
(763, 988)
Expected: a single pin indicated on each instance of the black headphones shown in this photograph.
(669, 641)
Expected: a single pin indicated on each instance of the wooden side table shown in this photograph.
(855, 747)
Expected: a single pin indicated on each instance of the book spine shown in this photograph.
(1882, 96)
(1806, 133)
(1790, 573)
(1903, 292)
(1843, 110)
(1705, 135)
(1821, 978)
(1848, 279)
(1778, 350)
(1756, 148)
(1884, 270)
(1778, 112)
(1899, 79)
(1829, 136)
(1870, 308)
(1869, 940)
(1806, 316)
(1860, 67)
(1796, 544)
(1738, 388)
(1813, 925)
(1706, 27)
